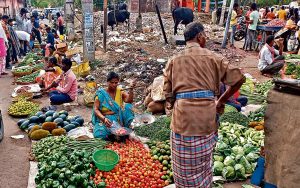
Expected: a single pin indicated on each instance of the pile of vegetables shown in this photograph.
(41, 125)
(60, 167)
(292, 56)
(229, 108)
(28, 78)
(237, 151)
(23, 69)
(23, 108)
(264, 87)
(276, 23)
(29, 59)
(290, 68)
(135, 169)
(161, 151)
(159, 130)
(235, 118)
(258, 95)
(258, 115)
(297, 72)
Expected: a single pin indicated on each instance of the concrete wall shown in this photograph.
(14, 6)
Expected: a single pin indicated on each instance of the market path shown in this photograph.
(14, 165)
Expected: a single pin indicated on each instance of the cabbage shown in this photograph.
(221, 146)
(252, 157)
(218, 158)
(218, 168)
(240, 171)
(229, 161)
(238, 150)
(248, 148)
(228, 173)
(246, 164)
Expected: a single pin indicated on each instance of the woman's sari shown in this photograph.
(123, 114)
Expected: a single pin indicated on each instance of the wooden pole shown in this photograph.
(105, 26)
(207, 6)
(227, 24)
(161, 23)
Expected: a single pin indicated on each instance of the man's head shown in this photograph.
(23, 11)
(292, 18)
(48, 29)
(5, 18)
(253, 6)
(282, 8)
(32, 18)
(270, 40)
(52, 62)
(66, 64)
(10, 22)
(58, 14)
(235, 6)
(272, 9)
(194, 32)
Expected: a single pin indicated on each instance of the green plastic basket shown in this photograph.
(105, 159)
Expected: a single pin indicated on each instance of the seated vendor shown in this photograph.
(236, 101)
(109, 107)
(270, 59)
(66, 85)
(52, 72)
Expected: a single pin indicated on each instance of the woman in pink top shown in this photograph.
(66, 85)
(3, 40)
(60, 23)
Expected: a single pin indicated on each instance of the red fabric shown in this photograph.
(2, 48)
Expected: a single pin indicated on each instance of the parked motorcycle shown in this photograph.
(241, 30)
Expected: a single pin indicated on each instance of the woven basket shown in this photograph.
(24, 83)
(28, 96)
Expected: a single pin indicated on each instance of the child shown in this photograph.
(52, 72)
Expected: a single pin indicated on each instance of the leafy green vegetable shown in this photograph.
(240, 171)
(229, 161)
(218, 158)
(218, 168)
(290, 68)
(229, 108)
(228, 173)
(252, 157)
(235, 117)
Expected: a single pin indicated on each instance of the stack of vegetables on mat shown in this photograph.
(258, 94)
(29, 59)
(62, 165)
(235, 118)
(22, 71)
(28, 79)
(257, 118)
(23, 108)
(159, 130)
(237, 151)
(42, 124)
(136, 168)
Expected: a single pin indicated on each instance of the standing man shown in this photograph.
(191, 81)
(15, 42)
(233, 23)
(60, 23)
(21, 20)
(254, 16)
(282, 14)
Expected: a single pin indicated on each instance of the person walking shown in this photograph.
(233, 23)
(15, 42)
(254, 16)
(3, 44)
(191, 81)
(21, 20)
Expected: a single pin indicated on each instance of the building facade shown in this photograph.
(11, 7)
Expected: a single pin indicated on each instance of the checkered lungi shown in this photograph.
(192, 160)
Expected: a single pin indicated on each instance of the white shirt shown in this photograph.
(265, 58)
(28, 27)
(2, 33)
(22, 35)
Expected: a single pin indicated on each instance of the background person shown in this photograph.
(15, 42)
(282, 14)
(253, 20)
(233, 23)
(3, 44)
(269, 58)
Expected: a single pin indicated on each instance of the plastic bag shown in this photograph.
(118, 130)
(82, 69)
(157, 89)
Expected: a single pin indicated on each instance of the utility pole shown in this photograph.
(139, 20)
(105, 26)
(69, 17)
(222, 13)
(227, 24)
(88, 30)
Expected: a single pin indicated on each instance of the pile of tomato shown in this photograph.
(135, 169)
